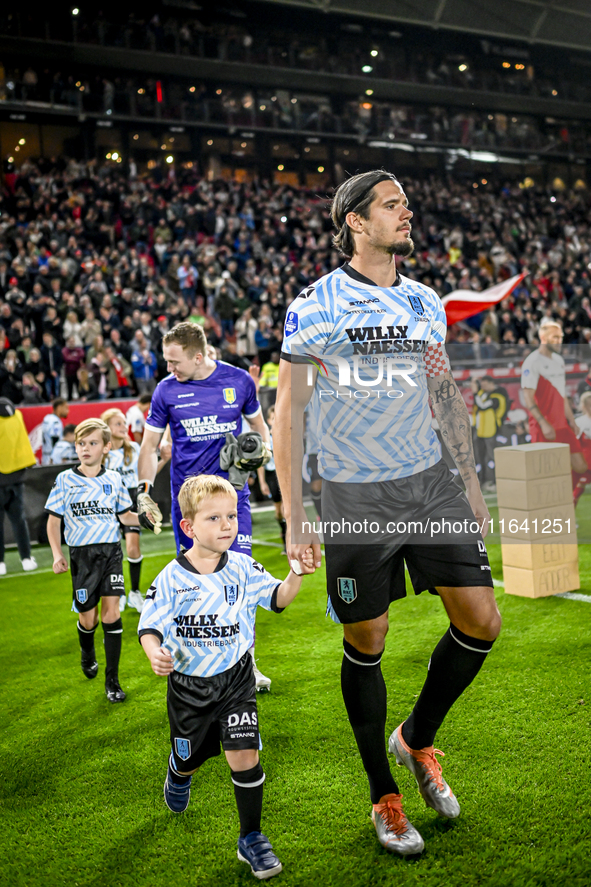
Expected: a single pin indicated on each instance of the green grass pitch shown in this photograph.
(82, 779)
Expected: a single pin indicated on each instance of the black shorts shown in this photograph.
(273, 483)
(365, 576)
(205, 713)
(97, 571)
(133, 495)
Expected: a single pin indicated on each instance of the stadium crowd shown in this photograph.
(96, 266)
(184, 101)
(417, 56)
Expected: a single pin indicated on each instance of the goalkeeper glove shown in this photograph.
(148, 513)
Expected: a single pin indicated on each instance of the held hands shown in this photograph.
(307, 561)
(161, 662)
(300, 552)
(148, 513)
(60, 564)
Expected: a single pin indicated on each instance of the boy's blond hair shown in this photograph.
(200, 487)
(585, 397)
(88, 426)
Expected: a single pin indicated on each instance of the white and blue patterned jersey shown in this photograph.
(115, 461)
(310, 429)
(370, 402)
(52, 430)
(206, 621)
(89, 506)
(63, 451)
(200, 414)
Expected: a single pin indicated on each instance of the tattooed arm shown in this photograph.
(454, 424)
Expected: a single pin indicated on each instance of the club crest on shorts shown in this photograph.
(107, 489)
(416, 304)
(182, 748)
(347, 590)
(229, 395)
(231, 592)
(81, 595)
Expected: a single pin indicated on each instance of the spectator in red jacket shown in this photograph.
(73, 356)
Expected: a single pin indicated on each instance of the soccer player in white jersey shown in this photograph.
(136, 417)
(543, 381)
(123, 458)
(370, 343)
(52, 428)
(197, 628)
(91, 501)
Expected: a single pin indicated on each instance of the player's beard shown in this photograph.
(403, 249)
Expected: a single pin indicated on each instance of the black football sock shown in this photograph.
(283, 527)
(86, 638)
(135, 569)
(455, 662)
(113, 632)
(175, 777)
(248, 790)
(316, 496)
(364, 693)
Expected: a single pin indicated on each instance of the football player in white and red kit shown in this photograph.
(543, 379)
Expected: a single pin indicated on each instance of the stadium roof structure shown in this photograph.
(563, 23)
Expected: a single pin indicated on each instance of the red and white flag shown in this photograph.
(466, 303)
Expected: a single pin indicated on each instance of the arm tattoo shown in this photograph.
(454, 423)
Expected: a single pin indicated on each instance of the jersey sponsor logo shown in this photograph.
(347, 589)
(291, 323)
(244, 539)
(182, 748)
(81, 595)
(192, 394)
(229, 395)
(116, 578)
(203, 427)
(416, 304)
(88, 509)
(201, 625)
(231, 593)
(481, 548)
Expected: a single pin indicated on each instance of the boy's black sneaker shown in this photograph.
(256, 850)
(114, 692)
(89, 665)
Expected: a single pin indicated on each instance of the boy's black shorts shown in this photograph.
(273, 483)
(97, 571)
(365, 571)
(133, 495)
(205, 713)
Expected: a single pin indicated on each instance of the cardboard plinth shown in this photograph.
(532, 494)
(541, 583)
(532, 461)
(538, 555)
